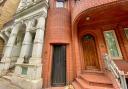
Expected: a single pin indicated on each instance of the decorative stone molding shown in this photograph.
(33, 17)
(31, 20)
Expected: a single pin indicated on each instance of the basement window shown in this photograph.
(24, 70)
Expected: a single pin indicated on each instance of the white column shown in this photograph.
(25, 49)
(36, 71)
(38, 42)
(5, 62)
(33, 79)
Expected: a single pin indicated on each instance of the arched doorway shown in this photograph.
(1, 47)
(90, 52)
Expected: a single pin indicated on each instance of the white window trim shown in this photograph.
(117, 44)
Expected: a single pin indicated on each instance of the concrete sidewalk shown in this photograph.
(6, 84)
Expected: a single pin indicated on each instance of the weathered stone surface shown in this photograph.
(6, 84)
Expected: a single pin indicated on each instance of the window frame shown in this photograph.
(117, 45)
(24, 70)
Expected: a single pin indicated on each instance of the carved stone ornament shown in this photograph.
(1, 1)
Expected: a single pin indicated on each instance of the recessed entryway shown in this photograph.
(90, 52)
(59, 65)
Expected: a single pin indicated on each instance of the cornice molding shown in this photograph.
(31, 9)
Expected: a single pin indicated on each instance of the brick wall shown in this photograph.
(62, 28)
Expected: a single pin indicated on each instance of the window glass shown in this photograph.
(112, 44)
(24, 70)
(59, 4)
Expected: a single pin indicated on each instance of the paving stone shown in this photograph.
(6, 84)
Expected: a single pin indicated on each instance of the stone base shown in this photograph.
(26, 83)
(3, 72)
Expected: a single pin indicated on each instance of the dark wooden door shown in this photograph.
(90, 52)
(59, 65)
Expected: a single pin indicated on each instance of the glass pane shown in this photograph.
(59, 4)
(88, 37)
(112, 46)
(24, 70)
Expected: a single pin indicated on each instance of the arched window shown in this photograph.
(88, 37)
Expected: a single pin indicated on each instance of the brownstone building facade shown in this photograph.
(79, 33)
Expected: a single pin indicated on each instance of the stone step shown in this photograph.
(97, 87)
(7, 84)
(82, 84)
(55, 88)
(8, 78)
(92, 71)
(76, 85)
(92, 68)
(65, 87)
(95, 78)
(98, 83)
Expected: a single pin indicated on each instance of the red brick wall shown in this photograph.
(85, 5)
(62, 28)
(58, 31)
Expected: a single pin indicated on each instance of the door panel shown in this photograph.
(90, 52)
(59, 65)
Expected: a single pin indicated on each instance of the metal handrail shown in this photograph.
(120, 75)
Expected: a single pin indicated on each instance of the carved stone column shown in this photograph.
(5, 62)
(33, 77)
(35, 65)
(25, 49)
(38, 42)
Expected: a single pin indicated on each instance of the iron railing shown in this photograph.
(118, 74)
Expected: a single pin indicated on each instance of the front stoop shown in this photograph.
(93, 80)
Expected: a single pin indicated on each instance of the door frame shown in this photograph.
(97, 59)
(51, 61)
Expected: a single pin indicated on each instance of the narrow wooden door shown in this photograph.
(90, 51)
(59, 65)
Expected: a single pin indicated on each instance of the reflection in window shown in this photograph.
(126, 32)
(112, 44)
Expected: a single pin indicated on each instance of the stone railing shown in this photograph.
(118, 74)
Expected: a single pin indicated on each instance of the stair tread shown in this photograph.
(97, 87)
(7, 78)
(82, 83)
(93, 71)
(85, 85)
(76, 86)
(55, 88)
(98, 78)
